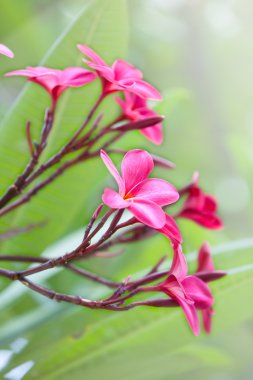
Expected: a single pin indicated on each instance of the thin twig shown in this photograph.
(93, 277)
(18, 185)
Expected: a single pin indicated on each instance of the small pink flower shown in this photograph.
(121, 76)
(191, 293)
(6, 51)
(56, 81)
(141, 195)
(135, 108)
(200, 208)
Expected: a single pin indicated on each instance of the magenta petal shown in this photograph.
(76, 77)
(112, 199)
(136, 166)
(86, 50)
(145, 90)
(207, 220)
(36, 72)
(205, 261)
(207, 315)
(103, 71)
(198, 291)
(121, 103)
(196, 199)
(210, 203)
(156, 190)
(173, 288)
(191, 314)
(136, 102)
(24, 72)
(179, 266)
(154, 133)
(124, 70)
(112, 169)
(147, 212)
(6, 51)
(171, 230)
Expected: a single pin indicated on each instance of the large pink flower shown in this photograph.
(135, 108)
(141, 195)
(190, 292)
(56, 81)
(121, 76)
(200, 208)
(6, 51)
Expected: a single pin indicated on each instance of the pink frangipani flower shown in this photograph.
(200, 207)
(56, 81)
(135, 108)
(121, 76)
(141, 195)
(6, 51)
(190, 292)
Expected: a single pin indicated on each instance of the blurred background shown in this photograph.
(199, 54)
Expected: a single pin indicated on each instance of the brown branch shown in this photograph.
(108, 304)
(18, 185)
(93, 277)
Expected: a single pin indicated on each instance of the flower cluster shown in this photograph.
(146, 199)
(121, 76)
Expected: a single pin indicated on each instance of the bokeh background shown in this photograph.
(199, 54)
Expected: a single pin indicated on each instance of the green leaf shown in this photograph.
(103, 26)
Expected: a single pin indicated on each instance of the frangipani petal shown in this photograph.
(210, 221)
(136, 166)
(154, 133)
(76, 77)
(179, 266)
(112, 199)
(6, 51)
(205, 261)
(207, 315)
(112, 169)
(173, 288)
(191, 314)
(104, 71)
(198, 291)
(171, 230)
(156, 190)
(86, 50)
(210, 203)
(146, 91)
(147, 212)
(124, 70)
